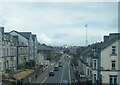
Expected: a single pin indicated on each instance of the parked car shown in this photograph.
(51, 73)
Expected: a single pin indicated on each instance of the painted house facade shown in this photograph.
(110, 60)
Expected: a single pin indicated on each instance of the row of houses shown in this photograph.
(17, 48)
(100, 62)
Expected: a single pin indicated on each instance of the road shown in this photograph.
(61, 75)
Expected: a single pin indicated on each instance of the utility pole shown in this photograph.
(86, 35)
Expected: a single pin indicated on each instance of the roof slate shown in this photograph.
(42, 47)
(26, 34)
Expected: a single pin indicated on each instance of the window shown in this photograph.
(94, 78)
(3, 51)
(113, 65)
(113, 79)
(0, 67)
(94, 64)
(7, 52)
(113, 49)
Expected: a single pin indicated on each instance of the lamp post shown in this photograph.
(86, 35)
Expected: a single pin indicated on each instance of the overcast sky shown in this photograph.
(60, 23)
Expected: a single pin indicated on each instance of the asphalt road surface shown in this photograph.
(62, 76)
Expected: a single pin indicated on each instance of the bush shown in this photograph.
(55, 56)
(30, 64)
(21, 67)
(3, 76)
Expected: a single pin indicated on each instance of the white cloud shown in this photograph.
(61, 23)
(59, 0)
(43, 38)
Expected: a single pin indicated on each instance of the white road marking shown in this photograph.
(63, 71)
(44, 80)
(69, 72)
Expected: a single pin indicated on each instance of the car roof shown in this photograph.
(65, 81)
(52, 71)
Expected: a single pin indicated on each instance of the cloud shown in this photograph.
(61, 23)
(44, 39)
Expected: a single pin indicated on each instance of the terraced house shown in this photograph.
(7, 51)
(110, 60)
(22, 48)
(103, 60)
(16, 48)
(25, 38)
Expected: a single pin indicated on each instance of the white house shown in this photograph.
(110, 60)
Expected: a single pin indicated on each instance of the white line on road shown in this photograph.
(44, 80)
(63, 72)
(69, 72)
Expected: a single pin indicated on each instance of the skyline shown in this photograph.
(61, 23)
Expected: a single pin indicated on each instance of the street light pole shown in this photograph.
(86, 35)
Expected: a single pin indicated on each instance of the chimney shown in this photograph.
(114, 35)
(2, 31)
(106, 38)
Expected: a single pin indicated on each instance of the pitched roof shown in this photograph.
(88, 50)
(42, 47)
(24, 34)
(114, 38)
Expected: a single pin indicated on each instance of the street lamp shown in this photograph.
(86, 35)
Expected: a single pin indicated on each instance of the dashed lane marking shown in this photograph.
(69, 72)
(43, 80)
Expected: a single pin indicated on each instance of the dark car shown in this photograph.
(60, 65)
(60, 62)
(56, 68)
(51, 73)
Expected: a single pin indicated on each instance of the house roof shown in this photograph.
(24, 34)
(88, 50)
(112, 39)
(100, 46)
(42, 47)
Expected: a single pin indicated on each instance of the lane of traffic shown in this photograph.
(58, 77)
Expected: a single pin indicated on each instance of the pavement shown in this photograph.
(42, 76)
